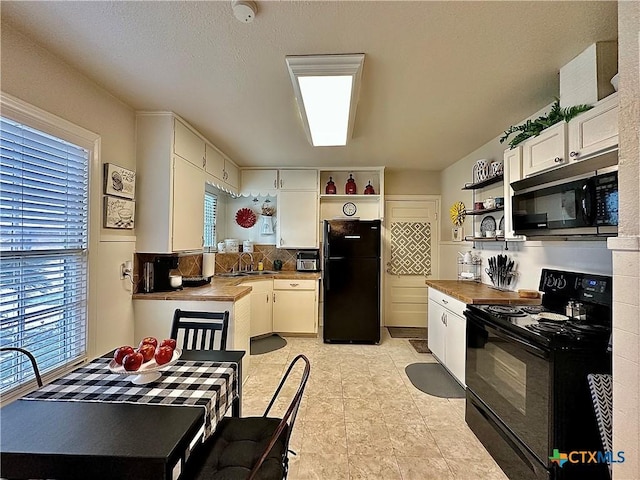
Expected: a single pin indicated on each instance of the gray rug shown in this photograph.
(432, 378)
(407, 332)
(267, 344)
(419, 345)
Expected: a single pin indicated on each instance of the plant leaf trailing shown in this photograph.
(532, 128)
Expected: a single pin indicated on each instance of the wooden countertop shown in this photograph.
(472, 292)
(224, 289)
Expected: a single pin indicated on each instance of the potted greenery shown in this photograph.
(532, 128)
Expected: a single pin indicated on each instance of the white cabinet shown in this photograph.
(297, 219)
(547, 150)
(295, 306)
(187, 144)
(594, 131)
(298, 180)
(224, 170)
(261, 307)
(447, 332)
(257, 181)
(188, 206)
(512, 173)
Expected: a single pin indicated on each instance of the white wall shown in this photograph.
(39, 78)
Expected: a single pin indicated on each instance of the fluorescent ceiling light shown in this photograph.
(326, 89)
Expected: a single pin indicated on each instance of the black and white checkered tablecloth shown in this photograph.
(212, 385)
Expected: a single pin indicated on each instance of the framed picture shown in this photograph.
(457, 234)
(119, 181)
(119, 213)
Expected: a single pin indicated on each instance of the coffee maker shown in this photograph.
(156, 274)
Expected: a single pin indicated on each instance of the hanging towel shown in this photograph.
(410, 248)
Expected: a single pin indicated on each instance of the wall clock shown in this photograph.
(349, 209)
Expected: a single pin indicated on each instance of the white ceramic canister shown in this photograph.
(231, 245)
(247, 246)
(221, 247)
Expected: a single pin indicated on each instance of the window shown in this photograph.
(210, 210)
(44, 187)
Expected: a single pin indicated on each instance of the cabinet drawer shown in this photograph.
(260, 285)
(294, 284)
(450, 303)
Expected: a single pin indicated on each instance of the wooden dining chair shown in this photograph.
(198, 330)
(32, 359)
(251, 448)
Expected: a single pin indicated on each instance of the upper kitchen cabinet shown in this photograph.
(188, 207)
(512, 173)
(545, 151)
(257, 181)
(188, 145)
(222, 169)
(591, 133)
(594, 131)
(297, 219)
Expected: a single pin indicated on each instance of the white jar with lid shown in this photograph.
(231, 245)
(247, 246)
(221, 247)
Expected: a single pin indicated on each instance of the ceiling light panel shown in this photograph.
(327, 88)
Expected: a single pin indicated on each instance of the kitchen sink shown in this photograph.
(232, 274)
(260, 272)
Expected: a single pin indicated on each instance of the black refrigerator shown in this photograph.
(351, 281)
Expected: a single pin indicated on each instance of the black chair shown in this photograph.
(34, 364)
(251, 448)
(198, 330)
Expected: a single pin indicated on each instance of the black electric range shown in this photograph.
(526, 373)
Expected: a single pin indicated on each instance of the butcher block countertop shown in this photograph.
(472, 292)
(224, 289)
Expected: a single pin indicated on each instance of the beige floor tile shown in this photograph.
(328, 437)
(324, 409)
(359, 388)
(425, 468)
(368, 438)
(459, 445)
(370, 467)
(357, 409)
(472, 469)
(400, 410)
(312, 466)
(413, 440)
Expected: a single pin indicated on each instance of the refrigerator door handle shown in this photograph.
(356, 237)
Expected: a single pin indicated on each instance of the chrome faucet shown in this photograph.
(249, 267)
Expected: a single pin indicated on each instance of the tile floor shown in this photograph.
(361, 418)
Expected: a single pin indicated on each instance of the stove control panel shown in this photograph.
(594, 285)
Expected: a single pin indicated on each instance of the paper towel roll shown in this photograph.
(208, 264)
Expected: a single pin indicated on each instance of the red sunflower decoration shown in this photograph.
(246, 218)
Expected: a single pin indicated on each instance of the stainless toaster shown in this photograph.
(308, 261)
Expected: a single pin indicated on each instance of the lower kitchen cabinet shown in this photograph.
(295, 306)
(261, 309)
(447, 332)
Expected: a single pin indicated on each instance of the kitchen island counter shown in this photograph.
(224, 289)
(479, 293)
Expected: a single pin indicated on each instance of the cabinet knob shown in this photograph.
(445, 319)
(574, 154)
(267, 298)
(204, 162)
(274, 297)
(444, 301)
(557, 159)
(275, 183)
(280, 183)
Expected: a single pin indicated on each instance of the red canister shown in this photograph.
(330, 189)
(350, 187)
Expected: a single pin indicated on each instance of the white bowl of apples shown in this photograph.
(145, 362)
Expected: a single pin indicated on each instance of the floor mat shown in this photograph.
(432, 378)
(407, 332)
(419, 345)
(267, 344)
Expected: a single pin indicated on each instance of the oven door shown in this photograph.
(512, 378)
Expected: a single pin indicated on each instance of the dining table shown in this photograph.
(93, 423)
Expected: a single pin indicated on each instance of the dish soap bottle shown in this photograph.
(350, 187)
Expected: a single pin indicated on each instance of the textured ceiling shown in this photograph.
(440, 78)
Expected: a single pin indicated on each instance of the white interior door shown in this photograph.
(411, 256)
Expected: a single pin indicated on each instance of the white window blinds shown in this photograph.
(43, 251)
(210, 209)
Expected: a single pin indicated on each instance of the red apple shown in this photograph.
(163, 355)
(120, 353)
(168, 342)
(132, 361)
(147, 350)
(152, 340)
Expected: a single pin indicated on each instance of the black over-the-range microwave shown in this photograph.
(583, 205)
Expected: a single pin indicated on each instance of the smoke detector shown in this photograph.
(244, 10)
